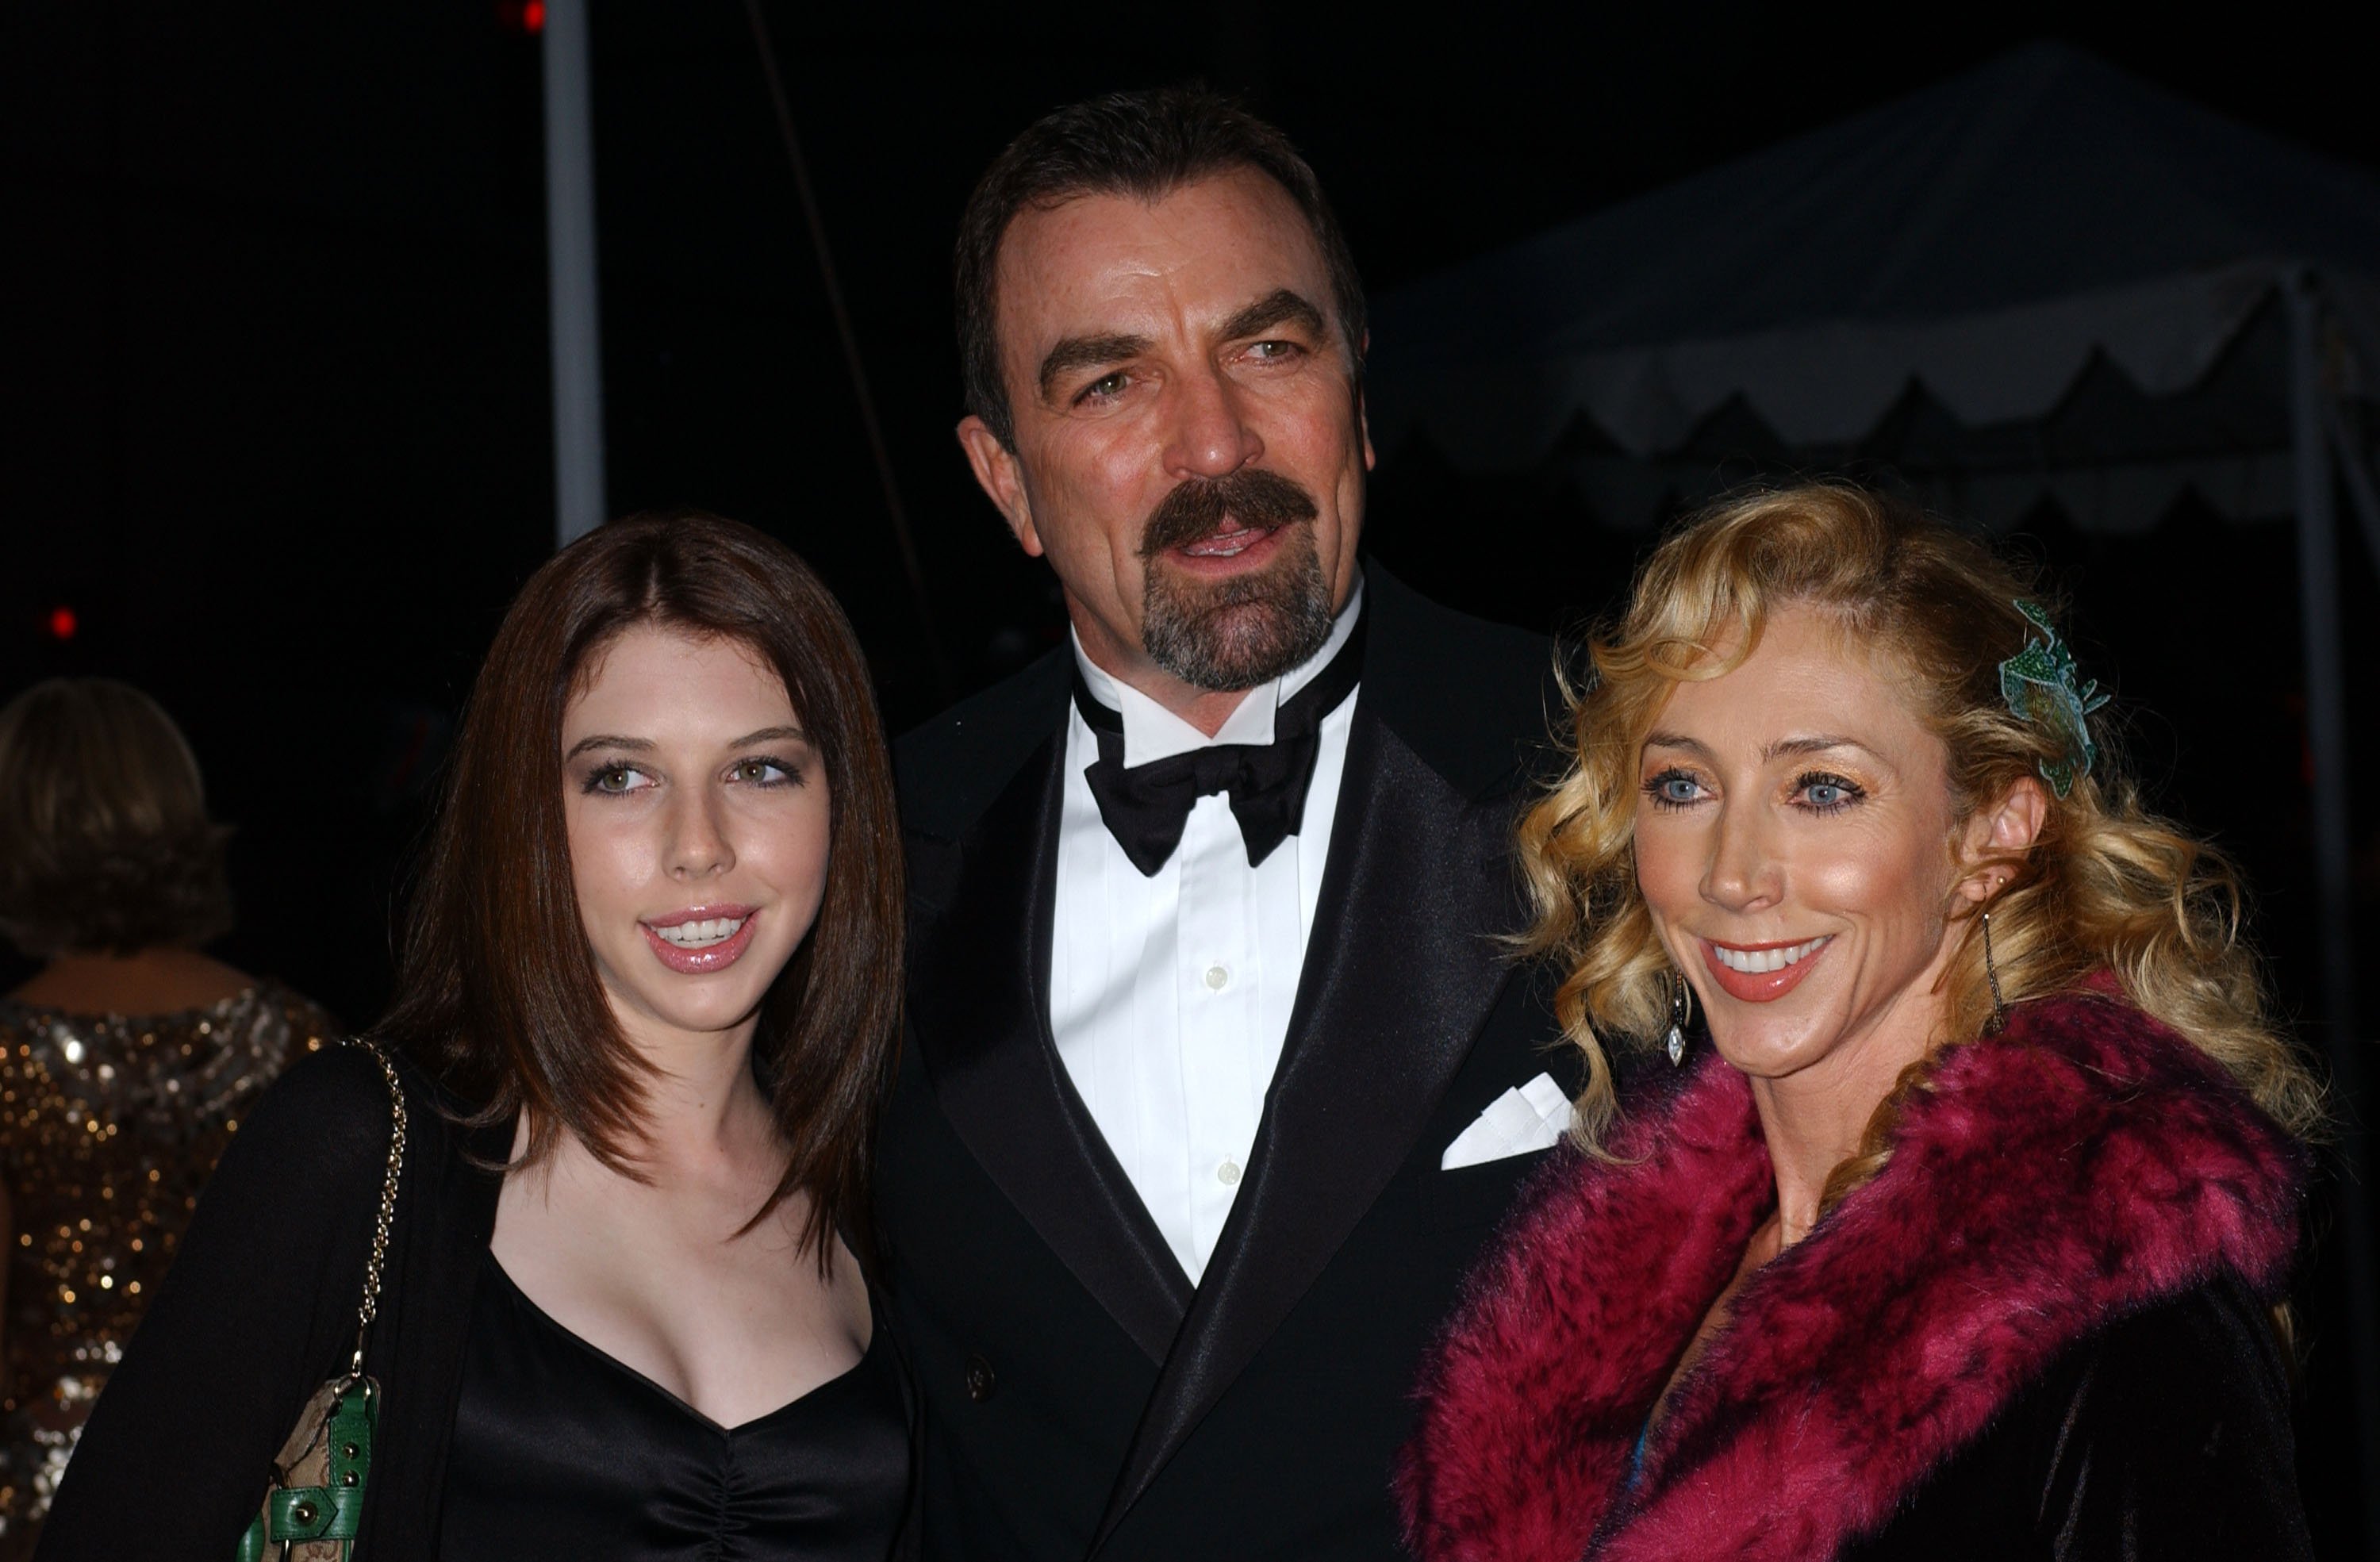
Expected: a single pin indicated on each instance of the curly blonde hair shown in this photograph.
(2105, 885)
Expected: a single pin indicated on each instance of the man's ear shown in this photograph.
(2005, 830)
(1001, 479)
(1363, 409)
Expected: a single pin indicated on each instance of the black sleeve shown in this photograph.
(2178, 1441)
(258, 1309)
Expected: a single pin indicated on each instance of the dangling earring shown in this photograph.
(1999, 1022)
(1680, 1013)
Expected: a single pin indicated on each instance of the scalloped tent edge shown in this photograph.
(1930, 243)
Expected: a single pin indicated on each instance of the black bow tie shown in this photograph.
(1147, 808)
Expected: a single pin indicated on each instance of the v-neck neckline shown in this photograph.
(548, 1322)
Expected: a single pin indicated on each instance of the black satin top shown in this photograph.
(560, 1451)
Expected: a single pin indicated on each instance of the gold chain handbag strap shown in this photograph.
(387, 1216)
(313, 1503)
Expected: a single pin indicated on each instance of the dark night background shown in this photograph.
(274, 398)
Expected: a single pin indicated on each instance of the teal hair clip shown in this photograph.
(2038, 683)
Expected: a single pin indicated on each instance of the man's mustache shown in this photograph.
(1258, 499)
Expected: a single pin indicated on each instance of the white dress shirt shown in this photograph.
(1170, 995)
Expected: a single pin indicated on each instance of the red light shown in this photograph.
(522, 16)
(533, 17)
(62, 623)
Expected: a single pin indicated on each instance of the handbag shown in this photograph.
(315, 1500)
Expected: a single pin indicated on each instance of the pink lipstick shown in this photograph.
(700, 939)
(1762, 973)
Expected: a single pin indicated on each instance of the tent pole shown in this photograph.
(929, 633)
(576, 327)
(2327, 738)
(2361, 491)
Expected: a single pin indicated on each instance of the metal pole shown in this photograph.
(929, 633)
(2361, 491)
(2327, 738)
(576, 326)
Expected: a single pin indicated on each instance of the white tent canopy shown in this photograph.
(1985, 248)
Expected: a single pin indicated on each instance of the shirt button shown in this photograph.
(1217, 978)
(979, 1381)
(1228, 1173)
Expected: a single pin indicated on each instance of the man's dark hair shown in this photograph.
(1147, 144)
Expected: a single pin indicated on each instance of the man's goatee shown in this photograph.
(1238, 633)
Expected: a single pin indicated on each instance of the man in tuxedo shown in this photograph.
(1218, 1071)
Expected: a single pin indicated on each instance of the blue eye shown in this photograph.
(1828, 795)
(1673, 789)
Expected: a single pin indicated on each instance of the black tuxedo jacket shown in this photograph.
(1081, 1397)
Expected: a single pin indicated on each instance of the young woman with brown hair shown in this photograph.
(647, 1002)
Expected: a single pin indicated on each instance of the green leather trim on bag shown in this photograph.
(333, 1512)
(316, 1513)
(349, 1432)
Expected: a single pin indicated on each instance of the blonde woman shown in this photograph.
(1958, 1228)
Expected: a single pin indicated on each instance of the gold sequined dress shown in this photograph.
(109, 1126)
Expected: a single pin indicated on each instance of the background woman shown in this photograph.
(1958, 1237)
(126, 1063)
(649, 997)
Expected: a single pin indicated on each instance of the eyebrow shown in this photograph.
(1815, 744)
(771, 734)
(606, 740)
(646, 745)
(1087, 352)
(1281, 305)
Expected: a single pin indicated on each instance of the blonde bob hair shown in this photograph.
(2105, 885)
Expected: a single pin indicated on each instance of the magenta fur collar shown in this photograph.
(2081, 1166)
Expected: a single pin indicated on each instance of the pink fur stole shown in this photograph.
(2082, 1165)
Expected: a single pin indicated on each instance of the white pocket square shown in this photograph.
(1534, 1117)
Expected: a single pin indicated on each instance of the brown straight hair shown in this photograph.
(497, 988)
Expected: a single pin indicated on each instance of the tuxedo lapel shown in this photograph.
(978, 996)
(1401, 970)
